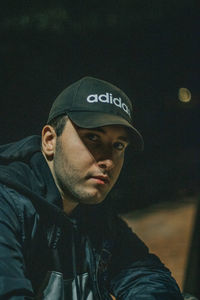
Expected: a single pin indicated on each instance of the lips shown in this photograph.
(102, 178)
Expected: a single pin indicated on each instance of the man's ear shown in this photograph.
(48, 141)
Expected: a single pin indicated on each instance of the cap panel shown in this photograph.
(64, 101)
(98, 95)
(93, 95)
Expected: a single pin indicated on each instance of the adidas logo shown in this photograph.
(108, 98)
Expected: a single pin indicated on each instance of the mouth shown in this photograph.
(101, 179)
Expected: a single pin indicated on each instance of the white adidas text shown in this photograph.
(108, 98)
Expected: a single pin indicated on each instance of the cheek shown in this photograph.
(78, 155)
(119, 164)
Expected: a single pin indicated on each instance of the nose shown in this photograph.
(106, 164)
(105, 157)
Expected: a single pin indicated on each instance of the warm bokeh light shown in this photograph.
(184, 95)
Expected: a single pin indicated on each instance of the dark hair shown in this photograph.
(58, 124)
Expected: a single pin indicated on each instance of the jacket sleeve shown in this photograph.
(136, 274)
(13, 283)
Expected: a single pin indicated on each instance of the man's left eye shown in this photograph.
(119, 146)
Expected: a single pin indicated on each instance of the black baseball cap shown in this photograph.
(92, 103)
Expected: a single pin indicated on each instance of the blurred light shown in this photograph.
(184, 95)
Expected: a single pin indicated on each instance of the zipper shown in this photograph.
(95, 266)
(74, 266)
(96, 277)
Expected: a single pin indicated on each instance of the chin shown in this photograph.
(92, 200)
(91, 196)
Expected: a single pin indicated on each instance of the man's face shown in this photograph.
(87, 162)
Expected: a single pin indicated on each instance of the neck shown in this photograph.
(68, 206)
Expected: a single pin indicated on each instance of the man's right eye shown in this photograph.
(93, 137)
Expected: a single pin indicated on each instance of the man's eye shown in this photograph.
(119, 146)
(92, 137)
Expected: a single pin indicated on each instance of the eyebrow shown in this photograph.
(100, 129)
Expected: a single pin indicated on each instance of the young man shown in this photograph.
(58, 237)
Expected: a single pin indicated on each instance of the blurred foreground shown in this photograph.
(167, 229)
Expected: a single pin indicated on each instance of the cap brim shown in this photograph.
(97, 119)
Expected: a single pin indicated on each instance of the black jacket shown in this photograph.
(36, 237)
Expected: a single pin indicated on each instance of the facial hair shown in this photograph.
(69, 180)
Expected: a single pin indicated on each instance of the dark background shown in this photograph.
(148, 48)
